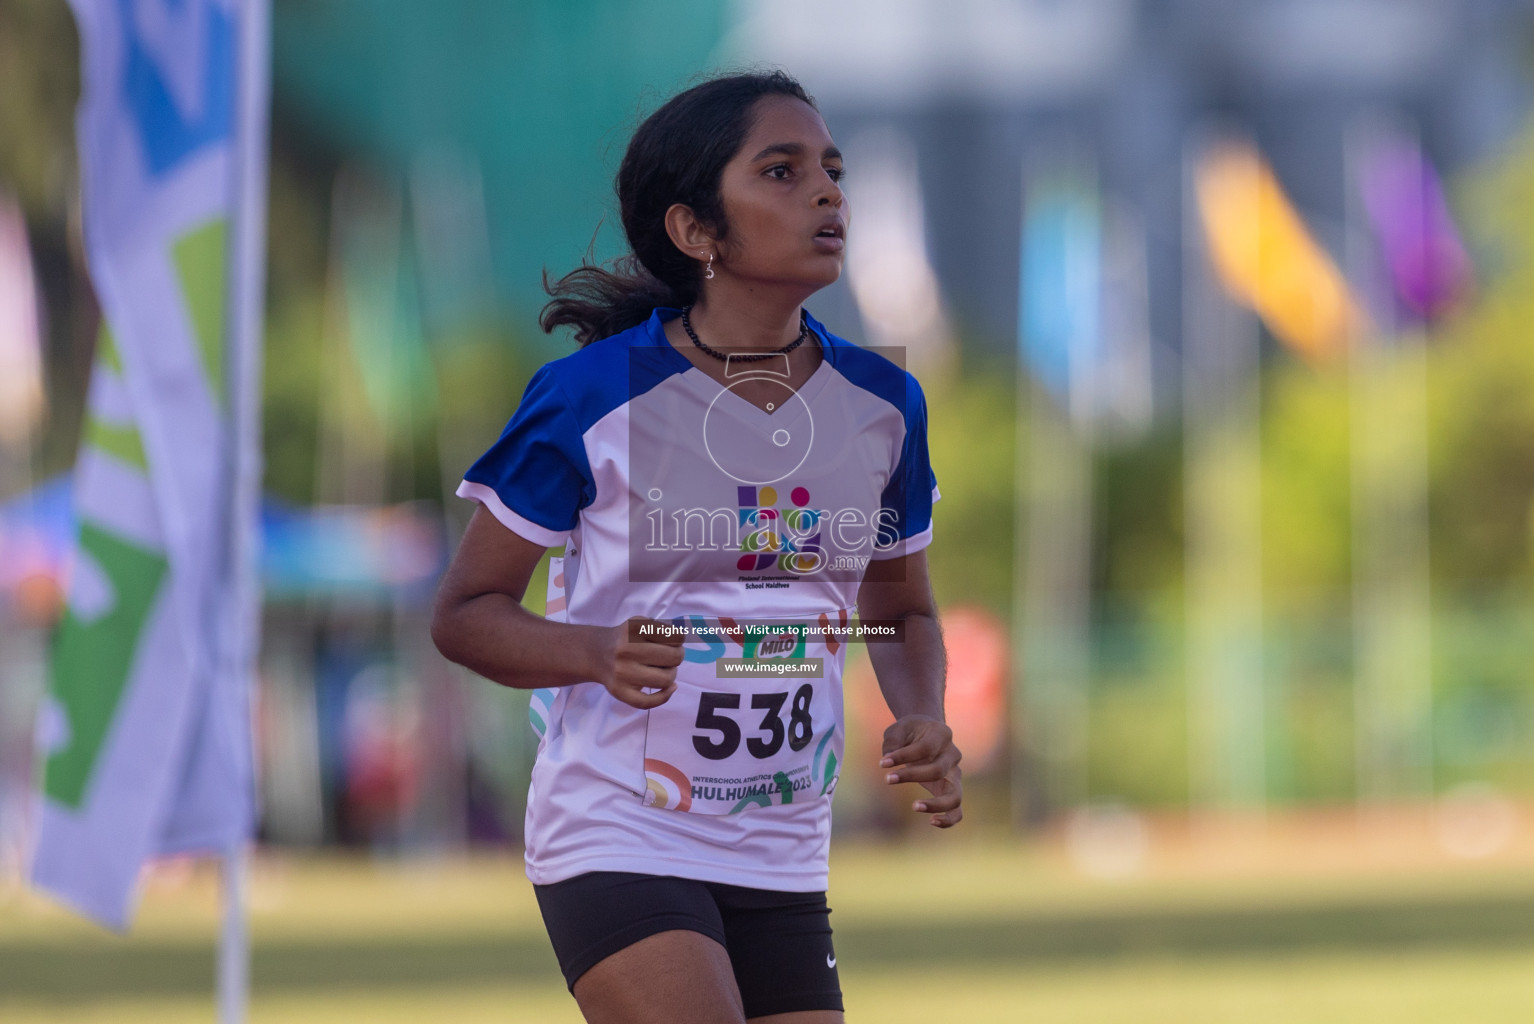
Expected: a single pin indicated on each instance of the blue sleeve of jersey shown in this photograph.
(906, 504)
(536, 479)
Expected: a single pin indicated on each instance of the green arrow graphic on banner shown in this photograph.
(199, 255)
(92, 660)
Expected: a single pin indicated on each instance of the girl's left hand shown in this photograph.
(919, 748)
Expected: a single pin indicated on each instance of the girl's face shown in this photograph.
(782, 200)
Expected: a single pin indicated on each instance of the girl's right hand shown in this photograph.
(642, 666)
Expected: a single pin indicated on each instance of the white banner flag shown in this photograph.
(145, 733)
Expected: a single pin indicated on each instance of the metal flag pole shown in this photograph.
(1059, 298)
(234, 939)
(247, 297)
(1222, 492)
(1392, 598)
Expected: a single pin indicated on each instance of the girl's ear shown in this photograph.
(688, 234)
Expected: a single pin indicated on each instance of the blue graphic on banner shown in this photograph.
(169, 135)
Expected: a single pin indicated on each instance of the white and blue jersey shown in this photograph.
(678, 500)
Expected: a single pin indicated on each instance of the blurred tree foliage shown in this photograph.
(39, 61)
(1480, 429)
(314, 393)
(294, 381)
(971, 440)
(1481, 394)
(1137, 547)
(1480, 433)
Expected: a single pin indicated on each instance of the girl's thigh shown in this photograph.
(638, 948)
(674, 977)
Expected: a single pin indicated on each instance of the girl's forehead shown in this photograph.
(784, 119)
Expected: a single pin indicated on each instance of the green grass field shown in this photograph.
(1283, 927)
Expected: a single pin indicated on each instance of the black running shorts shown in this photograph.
(779, 943)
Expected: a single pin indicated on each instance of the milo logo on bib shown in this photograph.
(754, 721)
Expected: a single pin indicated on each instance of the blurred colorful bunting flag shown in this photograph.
(1060, 292)
(1265, 257)
(1404, 199)
(892, 279)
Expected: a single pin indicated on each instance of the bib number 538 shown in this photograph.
(711, 719)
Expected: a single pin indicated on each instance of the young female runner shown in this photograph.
(729, 481)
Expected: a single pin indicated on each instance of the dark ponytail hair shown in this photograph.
(677, 156)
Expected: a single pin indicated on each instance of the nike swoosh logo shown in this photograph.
(830, 960)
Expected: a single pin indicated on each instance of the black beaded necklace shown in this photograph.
(804, 332)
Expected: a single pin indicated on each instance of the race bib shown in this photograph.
(755, 720)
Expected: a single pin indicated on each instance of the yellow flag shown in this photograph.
(1266, 258)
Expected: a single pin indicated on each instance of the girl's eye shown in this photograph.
(836, 174)
(779, 171)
